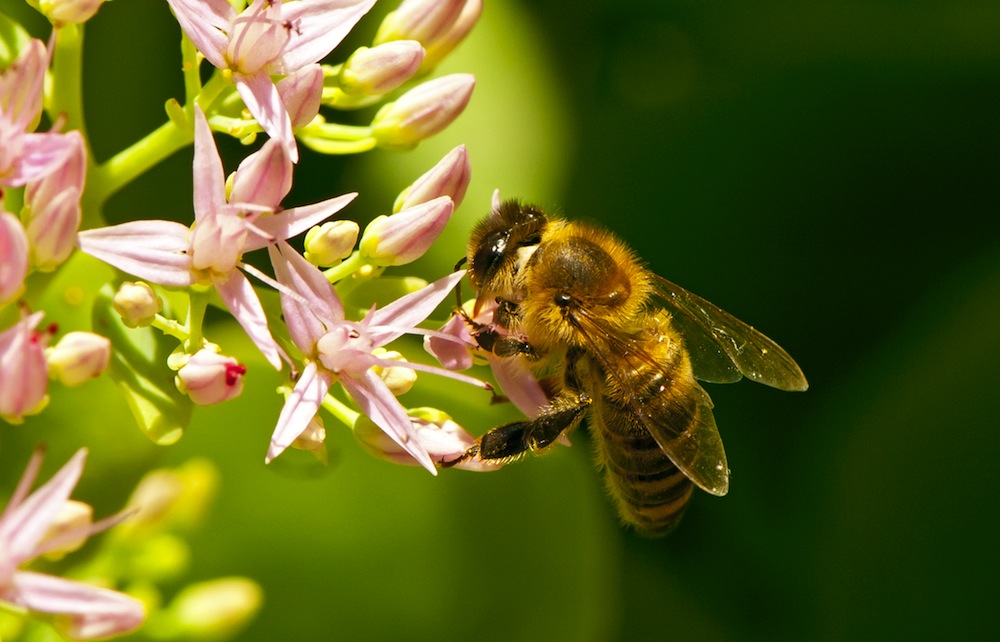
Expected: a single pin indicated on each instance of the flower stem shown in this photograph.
(340, 410)
(66, 99)
(196, 316)
(347, 267)
(128, 164)
(170, 327)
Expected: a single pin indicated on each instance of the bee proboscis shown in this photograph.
(619, 345)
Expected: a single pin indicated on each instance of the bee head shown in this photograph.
(495, 243)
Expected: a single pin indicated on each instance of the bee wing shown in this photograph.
(685, 432)
(723, 349)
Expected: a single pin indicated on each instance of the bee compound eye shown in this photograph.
(489, 253)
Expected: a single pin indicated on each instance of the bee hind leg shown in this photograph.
(510, 441)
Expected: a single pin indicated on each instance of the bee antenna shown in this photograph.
(461, 263)
(458, 286)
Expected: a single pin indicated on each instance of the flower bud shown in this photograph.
(300, 93)
(405, 236)
(450, 177)
(328, 244)
(137, 304)
(439, 49)
(78, 358)
(380, 69)
(24, 376)
(67, 11)
(313, 439)
(73, 516)
(262, 178)
(399, 379)
(14, 250)
(423, 20)
(422, 112)
(216, 609)
(442, 438)
(54, 205)
(210, 378)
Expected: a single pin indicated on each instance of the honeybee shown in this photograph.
(620, 345)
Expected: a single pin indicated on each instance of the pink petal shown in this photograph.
(263, 177)
(453, 354)
(209, 177)
(320, 26)
(204, 22)
(304, 319)
(152, 250)
(264, 103)
(95, 612)
(24, 373)
(21, 85)
(241, 299)
(301, 93)
(379, 404)
(390, 322)
(294, 221)
(519, 385)
(300, 407)
(24, 526)
(40, 155)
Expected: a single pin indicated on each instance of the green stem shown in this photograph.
(66, 99)
(126, 165)
(340, 410)
(196, 316)
(170, 327)
(347, 267)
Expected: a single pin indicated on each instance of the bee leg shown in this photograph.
(504, 345)
(510, 441)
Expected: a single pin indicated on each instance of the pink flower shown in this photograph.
(92, 612)
(54, 204)
(24, 373)
(337, 350)
(267, 38)
(26, 156)
(171, 254)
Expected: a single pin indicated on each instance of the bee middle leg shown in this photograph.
(510, 441)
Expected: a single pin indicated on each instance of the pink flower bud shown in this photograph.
(328, 244)
(14, 250)
(54, 204)
(67, 11)
(78, 357)
(24, 376)
(301, 93)
(450, 177)
(380, 69)
(137, 304)
(210, 378)
(422, 112)
(423, 20)
(263, 178)
(405, 236)
(439, 49)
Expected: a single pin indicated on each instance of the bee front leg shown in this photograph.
(510, 441)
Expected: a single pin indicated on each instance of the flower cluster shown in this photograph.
(313, 314)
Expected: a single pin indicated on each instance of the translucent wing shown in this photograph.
(723, 349)
(684, 427)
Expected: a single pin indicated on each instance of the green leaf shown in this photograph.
(138, 367)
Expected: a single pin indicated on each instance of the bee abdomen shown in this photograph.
(649, 490)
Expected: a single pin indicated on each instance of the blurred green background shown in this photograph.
(826, 171)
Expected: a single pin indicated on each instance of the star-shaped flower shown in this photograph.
(209, 253)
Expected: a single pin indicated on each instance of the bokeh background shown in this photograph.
(826, 171)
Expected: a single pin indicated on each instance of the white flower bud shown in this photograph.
(422, 112)
(331, 242)
(78, 358)
(399, 379)
(137, 304)
(210, 378)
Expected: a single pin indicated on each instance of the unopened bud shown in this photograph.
(216, 609)
(14, 250)
(405, 236)
(423, 20)
(380, 69)
(73, 517)
(78, 358)
(422, 112)
(450, 177)
(313, 439)
(439, 49)
(210, 378)
(24, 376)
(399, 379)
(137, 304)
(328, 244)
(67, 11)
(300, 93)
